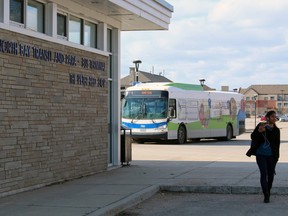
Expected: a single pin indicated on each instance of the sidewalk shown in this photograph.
(115, 190)
(109, 193)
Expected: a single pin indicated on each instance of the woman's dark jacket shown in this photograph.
(258, 139)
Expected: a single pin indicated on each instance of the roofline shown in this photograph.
(254, 87)
(253, 90)
(166, 5)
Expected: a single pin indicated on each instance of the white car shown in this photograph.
(283, 118)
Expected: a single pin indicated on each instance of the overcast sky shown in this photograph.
(233, 43)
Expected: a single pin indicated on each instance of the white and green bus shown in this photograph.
(178, 111)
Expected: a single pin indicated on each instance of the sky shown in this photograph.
(235, 43)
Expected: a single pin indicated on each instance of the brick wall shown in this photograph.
(53, 114)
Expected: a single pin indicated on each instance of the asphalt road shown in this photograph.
(174, 204)
(207, 149)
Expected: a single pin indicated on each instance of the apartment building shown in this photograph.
(262, 98)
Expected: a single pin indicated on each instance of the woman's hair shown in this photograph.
(268, 114)
(271, 112)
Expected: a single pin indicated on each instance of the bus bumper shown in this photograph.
(150, 136)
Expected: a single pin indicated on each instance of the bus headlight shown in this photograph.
(163, 126)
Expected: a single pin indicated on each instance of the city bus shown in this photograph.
(181, 112)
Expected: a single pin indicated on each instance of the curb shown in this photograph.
(212, 189)
(140, 196)
(222, 189)
(127, 202)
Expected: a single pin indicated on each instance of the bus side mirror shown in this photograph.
(171, 112)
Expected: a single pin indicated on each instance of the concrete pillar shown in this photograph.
(51, 19)
(102, 36)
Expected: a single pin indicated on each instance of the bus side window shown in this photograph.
(172, 108)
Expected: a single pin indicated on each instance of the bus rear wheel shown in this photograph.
(229, 133)
(181, 136)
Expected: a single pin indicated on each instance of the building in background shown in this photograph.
(261, 98)
(143, 77)
(146, 77)
(59, 86)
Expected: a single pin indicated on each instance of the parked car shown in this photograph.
(283, 118)
(263, 117)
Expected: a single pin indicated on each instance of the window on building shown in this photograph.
(272, 98)
(247, 98)
(28, 14)
(90, 34)
(35, 16)
(17, 11)
(279, 97)
(62, 25)
(1, 11)
(265, 98)
(279, 104)
(285, 104)
(109, 40)
(75, 30)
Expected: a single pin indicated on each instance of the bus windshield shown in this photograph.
(149, 107)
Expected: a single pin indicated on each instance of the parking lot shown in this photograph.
(207, 149)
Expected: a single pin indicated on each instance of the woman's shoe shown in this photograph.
(266, 197)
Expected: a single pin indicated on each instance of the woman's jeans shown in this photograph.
(266, 166)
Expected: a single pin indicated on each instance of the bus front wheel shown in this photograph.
(181, 136)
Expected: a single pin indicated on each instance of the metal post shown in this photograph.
(202, 81)
(137, 62)
(255, 103)
(282, 104)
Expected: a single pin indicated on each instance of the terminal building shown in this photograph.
(60, 86)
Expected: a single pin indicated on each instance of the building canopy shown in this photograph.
(133, 15)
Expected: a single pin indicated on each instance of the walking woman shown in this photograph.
(266, 139)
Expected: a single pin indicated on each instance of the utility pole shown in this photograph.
(282, 104)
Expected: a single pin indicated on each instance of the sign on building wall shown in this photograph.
(43, 54)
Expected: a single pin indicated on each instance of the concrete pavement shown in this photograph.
(118, 189)
(195, 204)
